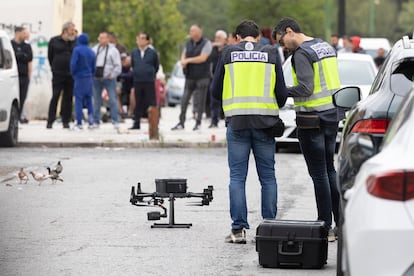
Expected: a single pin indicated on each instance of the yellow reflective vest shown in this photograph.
(249, 80)
(326, 77)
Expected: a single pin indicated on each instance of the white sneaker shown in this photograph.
(236, 236)
(77, 127)
(116, 126)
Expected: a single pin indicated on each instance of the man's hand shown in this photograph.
(184, 62)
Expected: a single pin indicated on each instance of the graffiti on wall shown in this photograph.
(40, 65)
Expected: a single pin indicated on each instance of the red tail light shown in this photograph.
(371, 126)
(394, 185)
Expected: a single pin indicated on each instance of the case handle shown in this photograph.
(289, 253)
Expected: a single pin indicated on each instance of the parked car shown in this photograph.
(377, 237)
(175, 85)
(354, 69)
(9, 90)
(373, 115)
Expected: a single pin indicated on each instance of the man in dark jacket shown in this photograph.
(196, 67)
(59, 54)
(82, 68)
(144, 62)
(24, 57)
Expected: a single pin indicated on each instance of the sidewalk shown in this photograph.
(35, 134)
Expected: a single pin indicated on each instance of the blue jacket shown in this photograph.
(82, 63)
(145, 69)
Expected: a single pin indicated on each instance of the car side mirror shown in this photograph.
(347, 97)
(363, 148)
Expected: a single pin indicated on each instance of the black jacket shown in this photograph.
(24, 55)
(59, 55)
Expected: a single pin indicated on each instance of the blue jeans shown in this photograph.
(83, 91)
(239, 144)
(318, 148)
(110, 86)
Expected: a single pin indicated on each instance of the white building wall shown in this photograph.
(43, 19)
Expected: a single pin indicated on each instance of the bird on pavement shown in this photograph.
(22, 176)
(54, 176)
(58, 168)
(40, 177)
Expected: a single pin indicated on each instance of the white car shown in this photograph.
(354, 70)
(377, 237)
(9, 91)
(175, 85)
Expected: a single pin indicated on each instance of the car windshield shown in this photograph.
(351, 72)
(178, 71)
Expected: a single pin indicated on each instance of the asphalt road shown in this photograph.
(86, 225)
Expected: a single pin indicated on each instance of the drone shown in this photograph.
(171, 189)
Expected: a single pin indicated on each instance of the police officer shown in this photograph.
(315, 75)
(249, 82)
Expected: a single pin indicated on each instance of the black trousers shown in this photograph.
(144, 98)
(61, 84)
(24, 86)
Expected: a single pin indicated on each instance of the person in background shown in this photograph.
(249, 82)
(232, 39)
(145, 64)
(266, 37)
(59, 54)
(108, 67)
(220, 41)
(196, 67)
(347, 43)
(113, 40)
(356, 48)
(82, 68)
(335, 42)
(24, 57)
(126, 97)
(380, 58)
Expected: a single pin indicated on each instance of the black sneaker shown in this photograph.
(135, 127)
(24, 121)
(66, 125)
(179, 126)
(213, 125)
(197, 126)
(236, 236)
(49, 125)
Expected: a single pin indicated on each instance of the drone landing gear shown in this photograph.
(171, 223)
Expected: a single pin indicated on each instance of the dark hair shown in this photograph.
(147, 36)
(247, 28)
(285, 23)
(18, 29)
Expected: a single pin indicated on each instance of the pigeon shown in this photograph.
(22, 176)
(40, 177)
(58, 168)
(54, 176)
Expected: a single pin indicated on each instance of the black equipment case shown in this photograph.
(292, 243)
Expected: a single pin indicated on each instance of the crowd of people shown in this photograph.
(106, 73)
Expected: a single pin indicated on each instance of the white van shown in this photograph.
(9, 93)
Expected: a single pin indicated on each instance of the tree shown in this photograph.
(309, 13)
(406, 20)
(210, 15)
(160, 19)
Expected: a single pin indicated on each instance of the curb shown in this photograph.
(148, 144)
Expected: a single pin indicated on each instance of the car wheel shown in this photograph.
(171, 104)
(9, 138)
